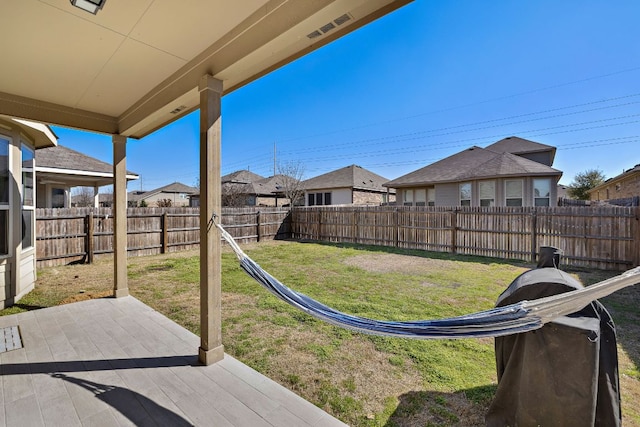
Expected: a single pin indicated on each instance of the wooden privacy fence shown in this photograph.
(78, 235)
(593, 237)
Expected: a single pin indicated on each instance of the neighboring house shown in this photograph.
(176, 192)
(349, 185)
(59, 169)
(511, 172)
(624, 186)
(19, 141)
(245, 188)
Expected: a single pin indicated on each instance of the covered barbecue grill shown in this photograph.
(565, 373)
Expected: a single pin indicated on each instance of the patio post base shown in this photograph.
(119, 293)
(208, 357)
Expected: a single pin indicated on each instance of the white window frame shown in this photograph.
(32, 207)
(506, 195)
(431, 196)
(405, 197)
(548, 198)
(492, 200)
(6, 207)
(420, 195)
(460, 199)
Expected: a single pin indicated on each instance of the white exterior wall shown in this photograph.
(18, 268)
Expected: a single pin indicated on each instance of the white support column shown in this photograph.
(120, 286)
(96, 196)
(211, 348)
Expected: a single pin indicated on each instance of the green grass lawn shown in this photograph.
(361, 379)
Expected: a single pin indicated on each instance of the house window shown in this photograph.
(465, 194)
(513, 192)
(421, 197)
(541, 192)
(327, 198)
(408, 197)
(312, 199)
(431, 196)
(319, 199)
(487, 191)
(57, 197)
(28, 201)
(4, 196)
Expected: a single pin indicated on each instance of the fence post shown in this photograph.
(164, 225)
(534, 235)
(454, 231)
(396, 238)
(89, 245)
(258, 225)
(636, 239)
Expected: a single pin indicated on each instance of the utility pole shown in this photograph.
(274, 159)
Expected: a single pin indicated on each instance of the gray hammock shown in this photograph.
(511, 319)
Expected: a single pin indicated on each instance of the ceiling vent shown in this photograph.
(178, 109)
(341, 20)
(330, 26)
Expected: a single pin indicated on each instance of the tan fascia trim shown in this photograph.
(83, 173)
(324, 41)
(47, 112)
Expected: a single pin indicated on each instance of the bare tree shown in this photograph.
(164, 203)
(291, 187)
(234, 194)
(82, 197)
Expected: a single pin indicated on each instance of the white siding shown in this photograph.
(5, 282)
(27, 274)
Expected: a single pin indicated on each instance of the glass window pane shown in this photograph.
(465, 191)
(541, 187)
(421, 196)
(312, 199)
(4, 231)
(431, 195)
(327, 198)
(541, 201)
(27, 229)
(514, 188)
(408, 196)
(319, 199)
(487, 189)
(514, 202)
(57, 198)
(27, 176)
(4, 171)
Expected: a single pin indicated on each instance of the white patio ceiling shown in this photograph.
(135, 66)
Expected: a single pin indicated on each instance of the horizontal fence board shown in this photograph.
(77, 234)
(601, 237)
(593, 237)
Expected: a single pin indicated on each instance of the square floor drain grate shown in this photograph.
(10, 339)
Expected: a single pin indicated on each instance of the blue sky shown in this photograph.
(423, 83)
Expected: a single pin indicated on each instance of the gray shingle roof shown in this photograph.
(353, 176)
(241, 177)
(175, 187)
(473, 163)
(517, 145)
(61, 157)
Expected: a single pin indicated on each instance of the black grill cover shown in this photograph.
(564, 374)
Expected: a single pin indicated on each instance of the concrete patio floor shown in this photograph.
(117, 362)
